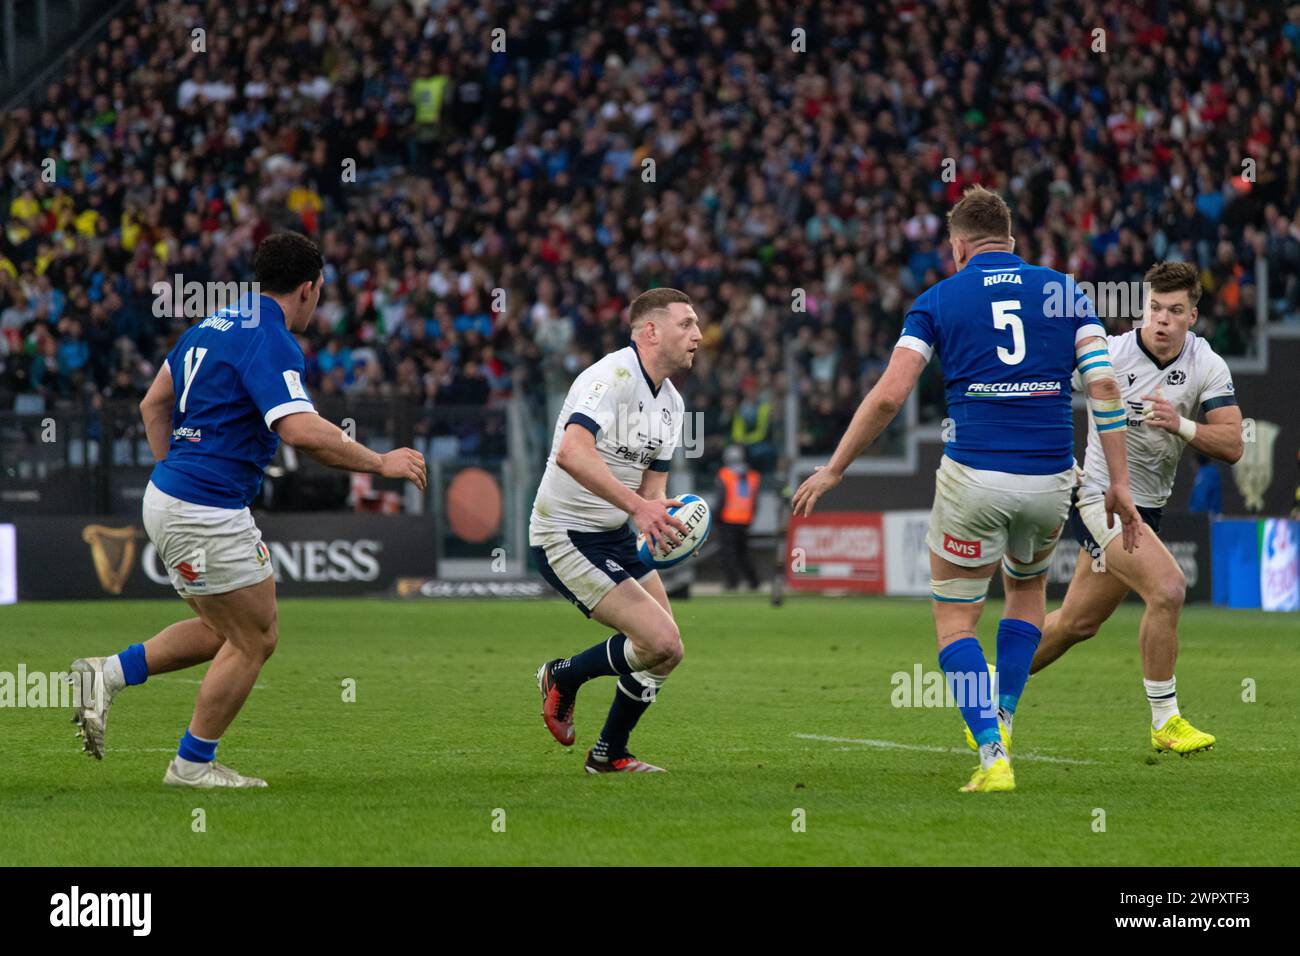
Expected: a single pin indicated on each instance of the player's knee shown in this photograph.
(665, 644)
(269, 640)
(1078, 628)
(260, 642)
(1169, 593)
(674, 652)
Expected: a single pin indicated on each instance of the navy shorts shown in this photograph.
(584, 566)
(1079, 529)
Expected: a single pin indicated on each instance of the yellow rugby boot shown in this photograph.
(998, 778)
(1180, 737)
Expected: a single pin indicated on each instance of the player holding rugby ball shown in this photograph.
(609, 461)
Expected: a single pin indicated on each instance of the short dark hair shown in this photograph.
(1176, 277)
(653, 301)
(980, 214)
(285, 260)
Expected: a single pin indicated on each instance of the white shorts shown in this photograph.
(205, 550)
(979, 516)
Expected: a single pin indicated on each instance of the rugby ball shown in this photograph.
(693, 512)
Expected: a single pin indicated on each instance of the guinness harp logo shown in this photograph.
(113, 551)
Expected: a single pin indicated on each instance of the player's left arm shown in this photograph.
(156, 410)
(1219, 436)
(654, 484)
(877, 410)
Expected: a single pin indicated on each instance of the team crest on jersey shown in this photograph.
(263, 555)
(1176, 377)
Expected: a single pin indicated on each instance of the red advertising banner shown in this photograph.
(836, 551)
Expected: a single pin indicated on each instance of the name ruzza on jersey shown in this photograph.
(1003, 278)
(1012, 389)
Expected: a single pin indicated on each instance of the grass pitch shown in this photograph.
(773, 711)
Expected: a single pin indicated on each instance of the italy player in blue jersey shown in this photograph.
(1009, 336)
(228, 393)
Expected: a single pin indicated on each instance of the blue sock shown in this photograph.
(197, 749)
(605, 659)
(1017, 642)
(134, 667)
(968, 674)
(629, 704)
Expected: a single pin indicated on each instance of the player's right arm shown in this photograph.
(1106, 405)
(578, 456)
(272, 371)
(330, 445)
(156, 410)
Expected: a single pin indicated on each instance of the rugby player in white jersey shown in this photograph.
(609, 461)
(1169, 377)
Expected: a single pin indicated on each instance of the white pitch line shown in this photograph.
(168, 679)
(922, 748)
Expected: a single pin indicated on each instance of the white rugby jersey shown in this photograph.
(1196, 381)
(636, 427)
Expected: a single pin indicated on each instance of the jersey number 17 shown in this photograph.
(193, 359)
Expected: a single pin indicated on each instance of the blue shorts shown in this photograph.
(584, 566)
(1088, 541)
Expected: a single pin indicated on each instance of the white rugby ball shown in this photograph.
(694, 512)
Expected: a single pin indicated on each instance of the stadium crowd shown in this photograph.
(488, 203)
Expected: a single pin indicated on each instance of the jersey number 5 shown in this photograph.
(1004, 316)
(193, 359)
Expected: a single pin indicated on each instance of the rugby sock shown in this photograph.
(609, 658)
(991, 752)
(631, 698)
(133, 666)
(1162, 695)
(194, 751)
(967, 671)
(1017, 642)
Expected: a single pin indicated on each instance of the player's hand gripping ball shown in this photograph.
(693, 512)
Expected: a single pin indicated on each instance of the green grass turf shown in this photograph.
(446, 728)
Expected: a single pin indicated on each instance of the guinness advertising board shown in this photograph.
(313, 555)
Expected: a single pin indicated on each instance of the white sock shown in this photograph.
(114, 678)
(191, 768)
(629, 655)
(1005, 717)
(1163, 698)
(990, 753)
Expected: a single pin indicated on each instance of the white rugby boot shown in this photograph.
(93, 693)
(209, 777)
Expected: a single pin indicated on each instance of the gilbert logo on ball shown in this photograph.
(693, 512)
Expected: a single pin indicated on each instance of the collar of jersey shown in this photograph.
(1155, 361)
(984, 260)
(648, 380)
(269, 306)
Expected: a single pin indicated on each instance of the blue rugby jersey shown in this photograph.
(233, 378)
(1005, 332)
